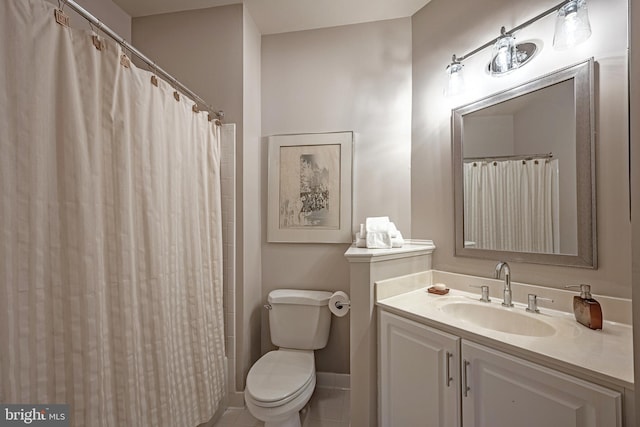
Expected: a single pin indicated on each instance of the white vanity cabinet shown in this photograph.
(502, 390)
(419, 375)
(426, 376)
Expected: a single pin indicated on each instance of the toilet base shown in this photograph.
(292, 421)
(287, 411)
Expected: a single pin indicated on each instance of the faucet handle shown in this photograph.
(484, 289)
(532, 302)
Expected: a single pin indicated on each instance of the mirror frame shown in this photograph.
(583, 77)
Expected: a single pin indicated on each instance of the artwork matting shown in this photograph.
(310, 188)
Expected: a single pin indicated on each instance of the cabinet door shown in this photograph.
(503, 391)
(419, 375)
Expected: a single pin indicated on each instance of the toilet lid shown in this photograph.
(280, 376)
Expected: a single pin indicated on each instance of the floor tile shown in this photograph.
(327, 404)
(245, 419)
(328, 407)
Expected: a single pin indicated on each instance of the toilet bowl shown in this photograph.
(282, 381)
(279, 385)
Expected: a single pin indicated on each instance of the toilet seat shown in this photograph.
(280, 376)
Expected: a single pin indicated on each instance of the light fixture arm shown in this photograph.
(514, 30)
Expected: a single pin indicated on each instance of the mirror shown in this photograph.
(524, 172)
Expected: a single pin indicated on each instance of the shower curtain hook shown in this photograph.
(125, 61)
(176, 95)
(154, 78)
(95, 38)
(59, 14)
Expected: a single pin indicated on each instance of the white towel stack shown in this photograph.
(379, 233)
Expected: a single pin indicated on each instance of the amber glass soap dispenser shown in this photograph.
(586, 309)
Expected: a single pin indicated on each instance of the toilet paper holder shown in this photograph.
(340, 305)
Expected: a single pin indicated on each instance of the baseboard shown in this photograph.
(333, 380)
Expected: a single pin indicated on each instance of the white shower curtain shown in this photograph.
(512, 205)
(111, 252)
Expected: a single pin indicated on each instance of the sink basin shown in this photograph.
(498, 318)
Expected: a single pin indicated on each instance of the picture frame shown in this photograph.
(310, 188)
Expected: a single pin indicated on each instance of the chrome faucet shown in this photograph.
(507, 282)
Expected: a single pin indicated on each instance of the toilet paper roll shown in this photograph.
(339, 303)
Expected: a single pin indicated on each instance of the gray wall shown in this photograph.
(441, 29)
(349, 78)
(488, 135)
(202, 49)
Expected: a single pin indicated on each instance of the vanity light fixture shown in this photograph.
(456, 78)
(572, 25)
(507, 55)
(572, 28)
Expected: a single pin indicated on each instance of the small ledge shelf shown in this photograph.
(409, 249)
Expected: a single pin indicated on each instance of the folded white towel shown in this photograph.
(398, 241)
(378, 240)
(379, 233)
(393, 231)
(377, 223)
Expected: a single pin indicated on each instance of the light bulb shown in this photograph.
(455, 83)
(504, 55)
(572, 25)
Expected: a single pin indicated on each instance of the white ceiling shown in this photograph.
(280, 16)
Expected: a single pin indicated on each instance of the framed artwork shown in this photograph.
(310, 186)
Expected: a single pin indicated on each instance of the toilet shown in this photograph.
(282, 381)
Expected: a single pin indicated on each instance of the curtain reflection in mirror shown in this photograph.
(512, 205)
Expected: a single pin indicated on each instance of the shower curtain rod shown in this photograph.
(126, 45)
(514, 157)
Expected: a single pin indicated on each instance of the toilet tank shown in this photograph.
(299, 319)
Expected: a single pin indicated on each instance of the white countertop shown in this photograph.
(604, 356)
(417, 247)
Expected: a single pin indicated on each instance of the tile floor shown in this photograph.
(328, 407)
